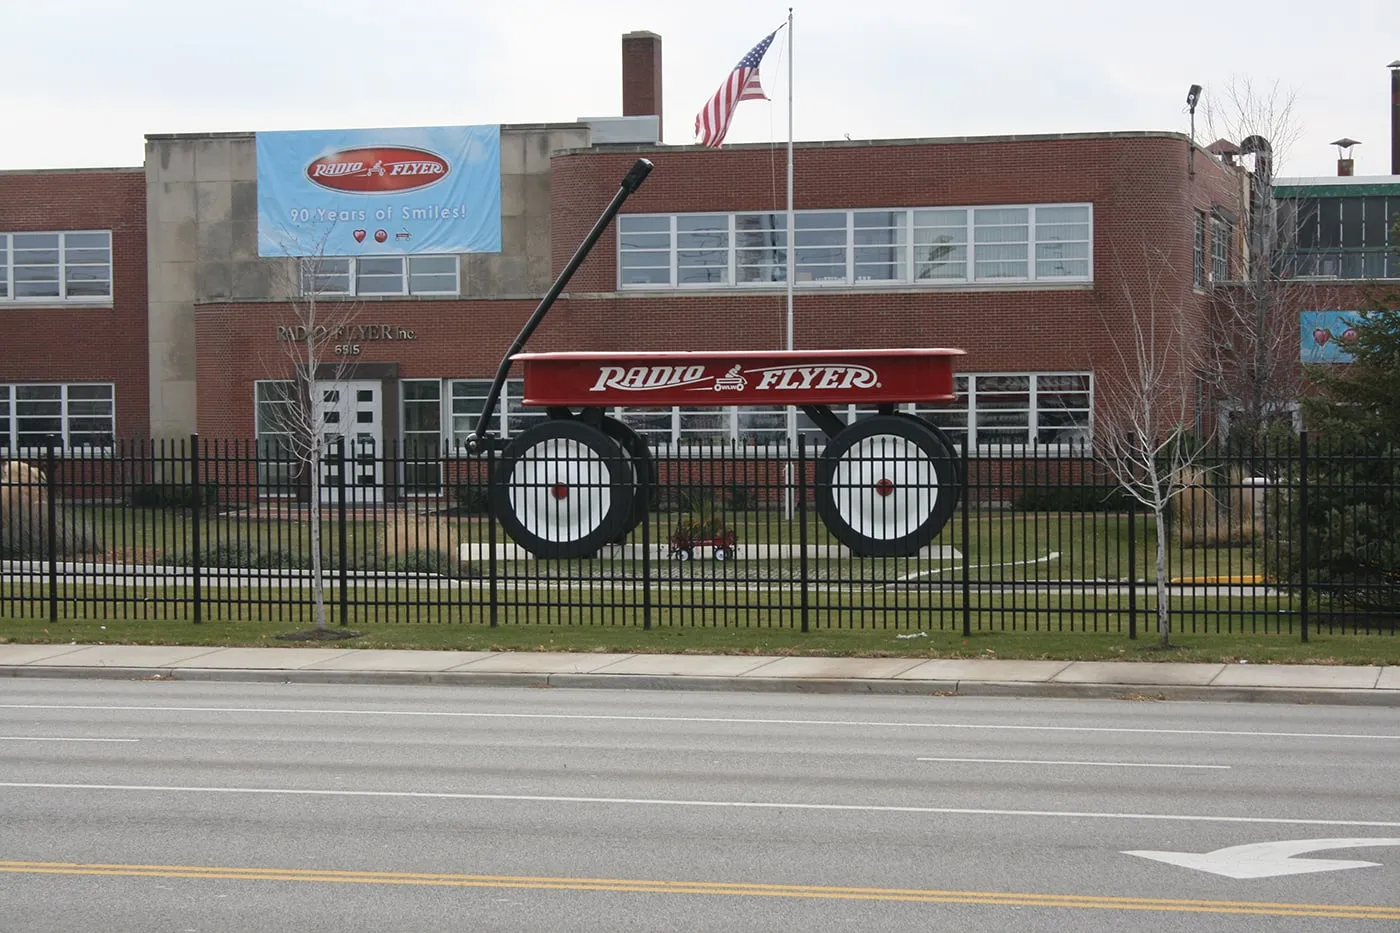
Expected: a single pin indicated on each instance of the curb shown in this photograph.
(940, 688)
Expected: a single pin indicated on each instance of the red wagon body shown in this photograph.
(746, 377)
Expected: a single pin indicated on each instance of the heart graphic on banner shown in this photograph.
(1322, 335)
(359, 236)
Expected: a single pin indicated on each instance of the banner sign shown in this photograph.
(1326, 336)
(376, 192)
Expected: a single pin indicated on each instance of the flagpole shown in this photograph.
(791, 236)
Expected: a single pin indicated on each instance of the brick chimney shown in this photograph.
(1395, 117)
(641, 76)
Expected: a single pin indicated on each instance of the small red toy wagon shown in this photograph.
(885, 485)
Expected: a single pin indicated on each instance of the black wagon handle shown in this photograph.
(476, 441)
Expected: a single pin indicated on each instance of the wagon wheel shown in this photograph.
(643, 471)
(948, 501)
(886, 486)
(563, 489)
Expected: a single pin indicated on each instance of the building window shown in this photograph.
(365, 276)
(1198, 252)
(72, 417)
(420, 421)
(468, 397)
(1045, 410)
(69, 266)
(1341, 237)
(860, 248)
(1017, 409)
(277, 411)
(1222, 236)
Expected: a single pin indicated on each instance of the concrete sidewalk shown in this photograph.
(1282, 683)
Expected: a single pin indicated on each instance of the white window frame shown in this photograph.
(9, 423)
(405, 276)
(904, 227)
(7, 269)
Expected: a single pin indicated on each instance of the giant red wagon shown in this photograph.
(885, 485)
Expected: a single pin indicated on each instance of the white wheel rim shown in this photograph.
(884, 487)
(559, 490)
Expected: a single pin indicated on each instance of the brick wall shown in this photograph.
(60, 343)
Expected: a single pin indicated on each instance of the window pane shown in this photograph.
(518, 417)
(655, 425)
(4, 291)
(820, 247)
(432, 275)
(634, 223)
(468, 397)
(322, 276)
(101, 241)
(880, 246)
(379, 275)
(706, 426)
(762, 426)
(940, 246)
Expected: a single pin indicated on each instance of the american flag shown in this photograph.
(712, 122)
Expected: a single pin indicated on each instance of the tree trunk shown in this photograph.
(1163, 581)
(318, 583)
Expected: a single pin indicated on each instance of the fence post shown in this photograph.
(51, 480)
(1132, 568)
(491, 568)
(197, 498)
(644, 493)
(966, 503)
(340, 522)
(800, 490)
(1303, 528)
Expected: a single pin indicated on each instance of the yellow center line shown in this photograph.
(731, 889)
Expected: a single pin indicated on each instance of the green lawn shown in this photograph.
(998, 546)
(869, 641)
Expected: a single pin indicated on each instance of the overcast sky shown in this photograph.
(84, 80)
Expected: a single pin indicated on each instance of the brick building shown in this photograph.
(134, 302)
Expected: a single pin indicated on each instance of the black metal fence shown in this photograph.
(1303, 537)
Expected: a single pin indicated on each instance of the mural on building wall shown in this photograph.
(385, 191)
(1326, 335)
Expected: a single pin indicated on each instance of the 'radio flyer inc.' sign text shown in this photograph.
(388, 191)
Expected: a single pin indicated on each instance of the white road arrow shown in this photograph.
(1269, 859)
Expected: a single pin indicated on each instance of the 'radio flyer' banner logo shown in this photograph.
(377, 192)
(378, 169)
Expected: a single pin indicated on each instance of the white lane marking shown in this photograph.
(702, 719)
(56, 738)
(1086, 764)
(714, 804)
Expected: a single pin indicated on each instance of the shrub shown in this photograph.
(742, 498)
(173, 496)
(426, 561)
(1072, 499)
(470, 499)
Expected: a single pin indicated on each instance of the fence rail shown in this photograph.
(1296, 539)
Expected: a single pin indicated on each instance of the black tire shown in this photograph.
(566, 462)
(643, 471)
(886, 486)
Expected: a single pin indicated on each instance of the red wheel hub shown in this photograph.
(559, 491)
(884, 487)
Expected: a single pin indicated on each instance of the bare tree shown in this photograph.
(1144, 436)
(1251, 363)
(317, 328)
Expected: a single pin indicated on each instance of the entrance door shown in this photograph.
(353, 409)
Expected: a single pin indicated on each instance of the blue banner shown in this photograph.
(1326, 335)
(386, 191)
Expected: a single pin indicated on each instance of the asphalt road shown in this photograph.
(184, 806)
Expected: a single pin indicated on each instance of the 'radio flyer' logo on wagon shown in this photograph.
(377, 169)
